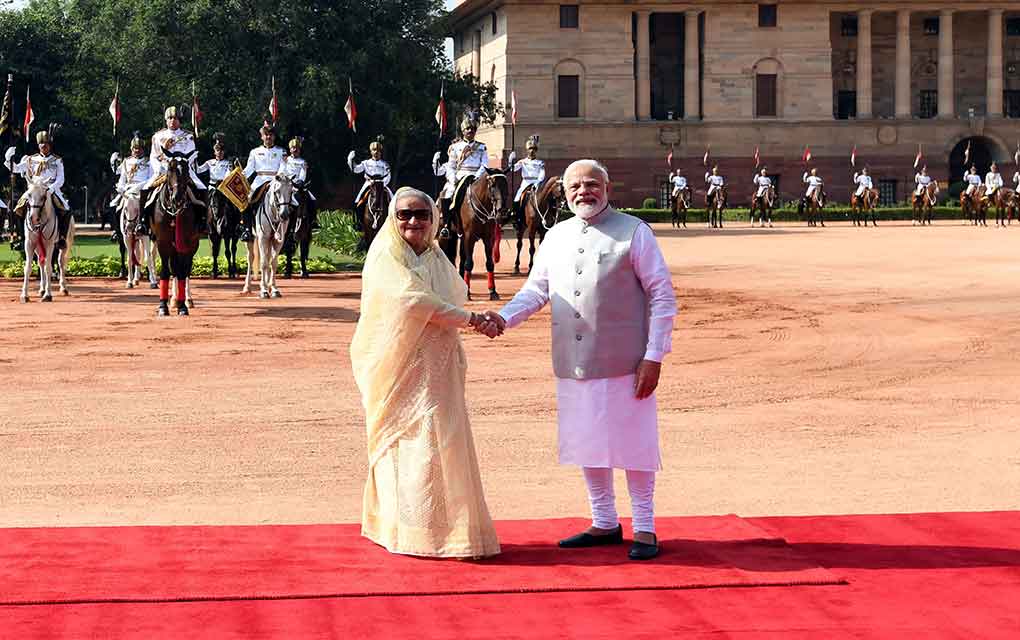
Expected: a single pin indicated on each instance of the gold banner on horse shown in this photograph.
(236, 188)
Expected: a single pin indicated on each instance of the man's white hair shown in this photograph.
(588, 163)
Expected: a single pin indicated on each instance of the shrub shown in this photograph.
(648, 203)
(109, 266)
(337, 233)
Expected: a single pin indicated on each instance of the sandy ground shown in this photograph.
(826, 371)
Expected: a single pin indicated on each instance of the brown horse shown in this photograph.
(763, 205)
(376, 203)
(716, 204)
(924, 203)
(481, 214)
(542, 208)
(1013, 205)
(814, 207)
(971, 204)
(173, 223)
(862, 205)
(1001, 200)
(680, 203)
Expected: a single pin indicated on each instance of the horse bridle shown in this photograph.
(559, 201)
(476, 205)
(369, 205)
(280, 206)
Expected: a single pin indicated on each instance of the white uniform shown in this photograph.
(372, 167)
(679, 183)
(763, 183)
(532, 173)
(218, 169)
(297, 170)
(445, 171)
(993, 181)
(468, 159)
(182, 143)
(714, 182)
(814, 184)
(863, 182)
(49, 169)
(134, 174)
(263, 165)
(922, 183)
(632, 442)
(973, 181)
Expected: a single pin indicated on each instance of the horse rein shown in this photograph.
(476, 205)
(559, 202)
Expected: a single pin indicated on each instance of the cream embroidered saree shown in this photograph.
(424, 493)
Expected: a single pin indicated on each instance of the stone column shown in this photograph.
(993, 101)
(643, 86)
(476, 56)
(692, 72)
(864, 100)
(903, 109)
(947, 97)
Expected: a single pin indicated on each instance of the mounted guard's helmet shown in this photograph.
(137, 142)
(532, 143)
(296, 142)
(219, 140)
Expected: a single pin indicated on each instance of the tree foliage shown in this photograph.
(73, 52)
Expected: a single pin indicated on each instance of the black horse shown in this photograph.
(299, 236)
(224, 221)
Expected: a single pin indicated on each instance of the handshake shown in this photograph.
(489, 323)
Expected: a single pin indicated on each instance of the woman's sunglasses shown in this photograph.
(423, 215)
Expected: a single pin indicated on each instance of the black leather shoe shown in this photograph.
(589, 540)
(643, 550)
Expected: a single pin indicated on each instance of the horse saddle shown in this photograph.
(460, 191)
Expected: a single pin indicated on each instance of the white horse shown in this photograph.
(41, 236)
(271, 222)
(138, 246)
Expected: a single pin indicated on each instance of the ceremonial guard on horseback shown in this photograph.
(993, 197)
(467, 160)
(306, 211)
(532, 175)
(47, 168)
(263, 165)
(223, 217)
(679, 198)
(374, 197)
(864, 199)
(167, 143)
(715, 198)
(814, 198)
(925, 196)
(133, 174)
(763, 200)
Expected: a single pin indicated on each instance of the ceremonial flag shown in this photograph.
(29, 114)
(669, 158)
(806, 157)
(513, 108)
(704, 160)
(966, 154)
(853, 157)
(351, 110)
(236, 188)
(6, 111)
(757, 158)
(196, 112)
(917, 158)
(115, 108)
(274, 105)
(441, 111)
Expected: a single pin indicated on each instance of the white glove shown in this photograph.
(114, 161)
(435, 161)
(9, 154)
(350, 158)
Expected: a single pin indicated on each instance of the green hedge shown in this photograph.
(787, 214)
(337, 233)
(109, 266)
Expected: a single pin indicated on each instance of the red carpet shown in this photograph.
(907, 576)
(157, 564)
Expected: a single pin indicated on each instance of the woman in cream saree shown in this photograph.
(424, 493)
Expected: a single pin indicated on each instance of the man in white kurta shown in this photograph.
(714, 182)
(263, 164)
(814, 186)
(612, 314)
(762, 183)
(993, 180)
(863, 182)
(922, 180)
(48, 168)
(373, 168)
(134, 173)
(973, 181)
(679, 183)
(295, 167)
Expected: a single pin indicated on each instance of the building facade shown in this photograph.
(623, 81)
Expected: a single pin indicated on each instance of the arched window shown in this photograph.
(569, 94)
(768, 74)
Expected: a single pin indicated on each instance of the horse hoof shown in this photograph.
(162, 312)
(516, 272)
(24, 299)
(264, 295)
(47, 298)
(276, 294)
(182, 310)
(493, 295)
(287, 276)
(130, 285)
(65, 291)
(191, 302)
(154, 285)
(304, 274)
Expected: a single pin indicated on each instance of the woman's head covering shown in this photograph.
(400, 292)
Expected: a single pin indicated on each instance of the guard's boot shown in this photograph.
(314, 214)
(444, 233)
(63, 223)
(246, 232)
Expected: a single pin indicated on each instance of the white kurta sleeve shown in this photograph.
(122, 181)
(651, 269)
(358, 168)
(541, 174)
(518, 165)
(533, 295)
(483, 163)
(20, 167)
(250, 168)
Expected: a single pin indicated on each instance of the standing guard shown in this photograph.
(532, 174)
(263, 164)
(49, 168)
(374, 167)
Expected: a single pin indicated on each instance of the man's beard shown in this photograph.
(586, 211)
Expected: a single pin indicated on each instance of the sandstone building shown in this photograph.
(623, 80)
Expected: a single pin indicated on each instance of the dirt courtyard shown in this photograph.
(827, 371)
